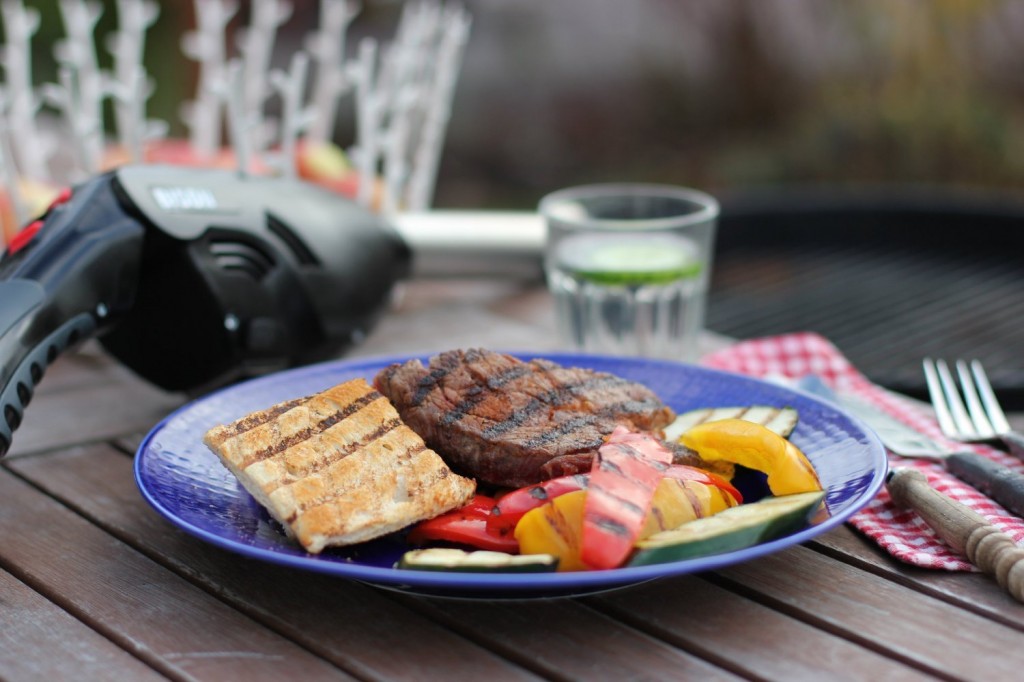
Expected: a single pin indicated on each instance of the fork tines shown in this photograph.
(981, 418)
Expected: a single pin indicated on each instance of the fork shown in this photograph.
(982, 419)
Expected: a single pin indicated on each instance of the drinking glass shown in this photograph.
(628, 266)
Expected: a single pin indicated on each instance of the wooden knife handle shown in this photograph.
(1003, 485)
(966, 531)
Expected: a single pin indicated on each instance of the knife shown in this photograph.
(966, 531)
(1000, 483)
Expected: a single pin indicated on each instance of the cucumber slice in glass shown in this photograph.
(624, 260)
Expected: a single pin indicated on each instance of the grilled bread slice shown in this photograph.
(338, 467)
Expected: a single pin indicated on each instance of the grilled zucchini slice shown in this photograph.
(730, 530)
(479, 561)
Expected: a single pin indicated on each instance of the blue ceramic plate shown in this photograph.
(187, 484)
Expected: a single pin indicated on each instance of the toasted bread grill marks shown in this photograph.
(256, 419)
(280, 442)
(333, 482)
(317, 454)
(513, 423)
(338, 467)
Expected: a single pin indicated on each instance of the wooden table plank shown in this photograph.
(376, 636)
(564, 639)
(357, 627)
(110, 573)
(86, 365)
(449, 327)
(30, 624)
(84, 412)
(974, 591)
(168, 623)
(885, 616)
(743, 635)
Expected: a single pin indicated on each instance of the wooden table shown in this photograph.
(95, 585)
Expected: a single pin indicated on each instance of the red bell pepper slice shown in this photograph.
(688, 473)
(512, 506)
(466, 525)
(625, 475)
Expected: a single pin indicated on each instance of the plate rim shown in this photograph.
(389, 576)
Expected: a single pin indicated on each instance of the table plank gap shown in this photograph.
(755, 633)
(974, 592)
(32, 623)
(361, 637)
(854, 604)
(132, 601)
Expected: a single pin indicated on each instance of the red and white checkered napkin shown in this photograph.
(900, 532)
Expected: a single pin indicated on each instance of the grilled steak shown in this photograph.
(512, 423)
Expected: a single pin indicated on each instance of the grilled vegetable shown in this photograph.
(676, 502)
(511, 507)
(730, 530)
(781, 420)
(555, 528)
(755, 447)
(479, 561)
(729, 494)
(625, 475)
(464, 526)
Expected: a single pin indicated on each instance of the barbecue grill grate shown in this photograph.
(887, 283)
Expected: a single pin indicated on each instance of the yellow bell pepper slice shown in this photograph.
(720, 500)
(555, 528)
(755, 447)
(675, 503)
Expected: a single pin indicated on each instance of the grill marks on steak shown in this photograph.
(513, 423)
